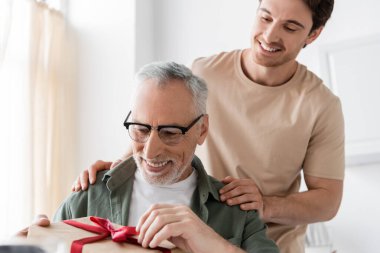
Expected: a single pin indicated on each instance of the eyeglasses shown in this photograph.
(169, 134)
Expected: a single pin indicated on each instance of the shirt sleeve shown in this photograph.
(325, 152)
(254, 236)
(74, 206)
(63, 212)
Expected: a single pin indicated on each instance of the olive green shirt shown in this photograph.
(110, 198)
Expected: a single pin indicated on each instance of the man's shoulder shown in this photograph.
(84, 203)
(242, 228)
(313, 90)
(217, 184)
(216, 57)
(93, 190)
(222, 206)
(214, 61)
(312, 83)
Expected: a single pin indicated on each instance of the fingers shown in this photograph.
(230, 184)
(247, 202)
(83, 178)
(41, 220)
(76, 185)
(152, 212)
(152, 232)
(98, 166)
(238, 187)
(228, 179)
(252, 206)
(153, 208)
(179, 225)
(156, 224)
(170, 230)
(239, 190)
(89, 175)
(81, 183)
(241, 199)
(23, 232)
(242, 192)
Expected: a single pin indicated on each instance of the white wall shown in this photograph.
(103, 32)
(182, 30)
(356, 227)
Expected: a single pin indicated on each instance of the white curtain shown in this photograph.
(37, 141)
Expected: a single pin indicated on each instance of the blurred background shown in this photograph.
(66, 72)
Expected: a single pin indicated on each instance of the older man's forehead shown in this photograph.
(171, 103)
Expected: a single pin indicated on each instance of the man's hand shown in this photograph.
(40, 220)
(243, 192)
(89, 175)
(293, 209)
(179, 225)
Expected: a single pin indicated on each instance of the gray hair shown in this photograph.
(165, 71)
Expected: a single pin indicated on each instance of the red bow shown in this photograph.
(104, 229)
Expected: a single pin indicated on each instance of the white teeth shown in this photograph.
(160, 164)
(270, 49)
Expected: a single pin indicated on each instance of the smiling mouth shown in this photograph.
(156, 166)
(268, 48)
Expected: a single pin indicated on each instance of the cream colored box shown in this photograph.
(64, 234)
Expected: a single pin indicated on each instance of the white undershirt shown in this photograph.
(144, 194)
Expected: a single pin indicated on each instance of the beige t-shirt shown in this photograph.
(270, 134)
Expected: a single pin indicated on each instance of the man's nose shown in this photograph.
(153, 146)
(271, 34)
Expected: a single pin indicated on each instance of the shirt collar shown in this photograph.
(205, 185)
(120, 174)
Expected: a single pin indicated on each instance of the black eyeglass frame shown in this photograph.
(184, 130)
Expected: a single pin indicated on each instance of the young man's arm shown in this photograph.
(319, 203)
(323, 168)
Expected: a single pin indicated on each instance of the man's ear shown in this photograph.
(313, 35)
(204, 130)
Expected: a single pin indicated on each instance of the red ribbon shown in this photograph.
(105, 229)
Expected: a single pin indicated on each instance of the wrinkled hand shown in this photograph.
(179, 225)
(89, 175)
(243, 192)
(40, 220)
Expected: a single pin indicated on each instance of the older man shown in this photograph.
(164, 190)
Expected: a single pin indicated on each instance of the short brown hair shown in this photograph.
(321, 11)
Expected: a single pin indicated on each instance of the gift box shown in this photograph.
(92, 235)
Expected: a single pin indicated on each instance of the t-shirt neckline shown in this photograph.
(252, 84)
